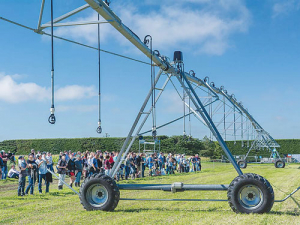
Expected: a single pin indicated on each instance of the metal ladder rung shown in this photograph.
(159, 89)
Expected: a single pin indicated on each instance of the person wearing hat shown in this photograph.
(42, 165)
(22, 176)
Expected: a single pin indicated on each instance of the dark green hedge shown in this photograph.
(174, 144)
(288, 146)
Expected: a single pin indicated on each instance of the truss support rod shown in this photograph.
(201, 109)
(172, 121)
(116, 165)
(41, 15)
(73, 24)
(65, 16)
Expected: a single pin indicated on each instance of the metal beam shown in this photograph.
(201, 109)
(73, 24)
(65, 16)
(168, 187)
(41, 14)
(108, 14)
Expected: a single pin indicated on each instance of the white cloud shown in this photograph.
(283, 7)
(201, 26)
(14, 92)
(72, 92)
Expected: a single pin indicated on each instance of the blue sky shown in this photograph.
(250, 47)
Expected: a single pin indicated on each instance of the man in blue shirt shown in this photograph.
(42, 165)
(161, 160)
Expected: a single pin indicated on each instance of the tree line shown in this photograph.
(173, 144)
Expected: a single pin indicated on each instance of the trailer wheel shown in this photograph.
(279, 163)
(99, 192)
(242, 164)
(250, 193)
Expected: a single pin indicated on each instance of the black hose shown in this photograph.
(99, 128)
(51, 118)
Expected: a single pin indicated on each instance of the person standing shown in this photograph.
(150, 163)
(32, 167)
(42, 167)
(62, 170)
(1, 165)
(127, 166)
(107, 165)
(22, 176)
(78, 167)
(161, 161)
(50, 161)
(4, 167)
(71, 168)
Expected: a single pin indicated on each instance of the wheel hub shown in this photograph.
(250, 196)
(97, 195)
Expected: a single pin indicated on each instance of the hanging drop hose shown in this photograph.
(51, 118)
(190, 124)
(183, 100)
(148, 41)
(99, 128)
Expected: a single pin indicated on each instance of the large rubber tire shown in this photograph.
(279, 163)
(99, 192)
(250, 193)
(242, 164)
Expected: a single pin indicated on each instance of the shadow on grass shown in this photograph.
(288, 213)
(215, 209)
(170, 210)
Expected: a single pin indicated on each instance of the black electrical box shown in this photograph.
(178, 57)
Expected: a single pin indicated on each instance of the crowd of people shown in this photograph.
(39, 167)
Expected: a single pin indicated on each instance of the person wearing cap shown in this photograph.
(22, 176)
(42, 165)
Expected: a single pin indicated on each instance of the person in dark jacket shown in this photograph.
(22, 176)
(32, 167)
(62, 170)
(71, 168)
(78, 167)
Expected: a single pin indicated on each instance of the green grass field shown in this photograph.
(64, 207)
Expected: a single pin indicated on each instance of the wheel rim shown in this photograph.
(97, 195)
(279, 164)
(250, 196)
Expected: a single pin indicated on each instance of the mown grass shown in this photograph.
(64, 207)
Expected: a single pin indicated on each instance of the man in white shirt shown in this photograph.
(13, 173)
(50, 161)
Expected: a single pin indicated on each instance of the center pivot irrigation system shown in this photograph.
(211, 106)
